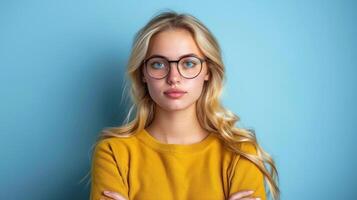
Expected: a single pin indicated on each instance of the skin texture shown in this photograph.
(175, 119)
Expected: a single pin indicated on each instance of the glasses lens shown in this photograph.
(157, 67)
(190, 67)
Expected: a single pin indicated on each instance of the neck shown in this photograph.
(177, 127)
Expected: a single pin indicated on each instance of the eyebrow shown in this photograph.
(158, 55)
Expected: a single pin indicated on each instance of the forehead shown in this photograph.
(173, 43)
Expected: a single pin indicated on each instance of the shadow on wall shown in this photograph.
(109, 105)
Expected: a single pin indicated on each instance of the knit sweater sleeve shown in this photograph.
(106, 172)
(247, 176)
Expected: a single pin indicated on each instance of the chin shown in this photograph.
(175, 106)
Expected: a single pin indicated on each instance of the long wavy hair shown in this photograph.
(212, 116)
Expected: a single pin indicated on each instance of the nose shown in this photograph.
(174, 75)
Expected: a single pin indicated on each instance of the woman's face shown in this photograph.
(173, 44)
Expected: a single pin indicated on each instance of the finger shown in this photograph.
(241, 194)
(114, 195)
(248, 198)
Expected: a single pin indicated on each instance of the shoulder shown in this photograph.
(248, 147)
(241, 161)
(244, 164)
(115, 144)
(113, 150)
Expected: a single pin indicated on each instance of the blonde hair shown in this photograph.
(212, 116)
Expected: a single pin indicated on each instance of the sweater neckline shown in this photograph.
(145, 137)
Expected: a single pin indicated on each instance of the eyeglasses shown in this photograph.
(189, 66)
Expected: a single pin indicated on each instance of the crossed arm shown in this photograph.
(242, 195)
(247, 177)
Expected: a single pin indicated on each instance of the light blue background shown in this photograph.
(291, 75)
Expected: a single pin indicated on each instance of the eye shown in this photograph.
(189, 64)
(157, 65)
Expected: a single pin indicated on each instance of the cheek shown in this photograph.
(154, 90)
(195, 87)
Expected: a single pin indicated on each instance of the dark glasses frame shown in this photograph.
(202, 60)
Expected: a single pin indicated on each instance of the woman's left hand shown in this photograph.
(113, 195)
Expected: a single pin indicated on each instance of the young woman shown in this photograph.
(182, 143)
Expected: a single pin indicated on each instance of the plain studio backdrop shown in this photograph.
(291, 76)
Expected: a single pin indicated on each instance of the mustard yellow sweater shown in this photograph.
(140, 167)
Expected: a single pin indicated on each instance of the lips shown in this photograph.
(174, 93)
